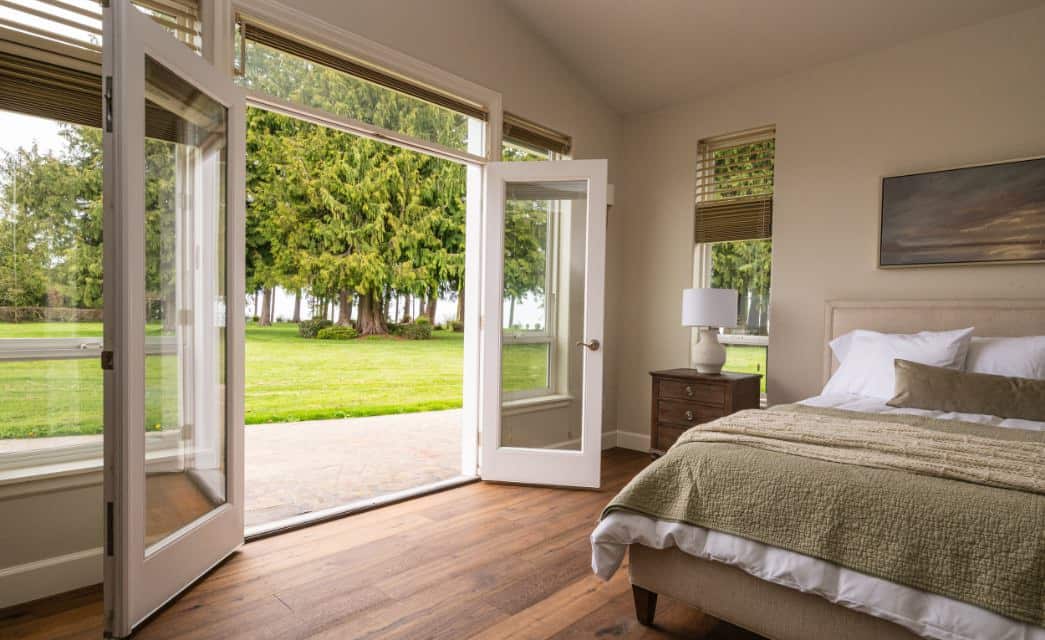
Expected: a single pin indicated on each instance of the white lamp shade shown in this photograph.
(709, 308)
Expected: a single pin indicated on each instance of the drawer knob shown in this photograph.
(689, 391)
(689, 415)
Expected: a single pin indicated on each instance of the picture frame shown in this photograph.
(979, 214)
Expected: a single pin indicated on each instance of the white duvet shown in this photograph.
(926, 614)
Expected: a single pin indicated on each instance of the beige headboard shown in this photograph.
(990, 317)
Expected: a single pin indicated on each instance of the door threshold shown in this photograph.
(293, 523)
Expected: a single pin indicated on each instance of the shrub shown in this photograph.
(457, 327)
(421, 329)
(309, 328)
(337, 332)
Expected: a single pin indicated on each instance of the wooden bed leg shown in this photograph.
(645, 604)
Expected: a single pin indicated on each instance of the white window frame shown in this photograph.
(702, 273)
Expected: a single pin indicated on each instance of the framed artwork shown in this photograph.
(992, 213)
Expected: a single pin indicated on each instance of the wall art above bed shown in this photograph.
(986, 214)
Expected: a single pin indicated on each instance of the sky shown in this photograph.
(20, 131)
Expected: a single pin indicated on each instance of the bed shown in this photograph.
(787, 595)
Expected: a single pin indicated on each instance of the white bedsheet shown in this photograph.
(926, 614)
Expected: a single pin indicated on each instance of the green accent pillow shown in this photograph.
(921, 386)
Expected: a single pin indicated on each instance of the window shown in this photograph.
(733, 234)
(51, 221)
(272, 63)
(532, 230)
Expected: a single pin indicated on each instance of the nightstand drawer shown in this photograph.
(694, 391)
(667, 435)
(685, 413)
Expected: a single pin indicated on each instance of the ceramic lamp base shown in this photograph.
(708, 354)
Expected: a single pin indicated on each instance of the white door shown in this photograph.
(543, 277)
(174, 200)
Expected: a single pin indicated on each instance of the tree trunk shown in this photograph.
(407, 309)
(257, 309)
(266, 307)
(297, 306)
(344, 316)
(371, 316)
(430, 307)
(511, 312)
(460, 304)
(272, 306)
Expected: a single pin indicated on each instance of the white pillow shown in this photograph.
(867, 358)
(1014, 357)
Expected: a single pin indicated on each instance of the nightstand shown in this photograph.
(683, 398)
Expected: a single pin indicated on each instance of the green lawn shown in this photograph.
(288, 378)
(746, 359)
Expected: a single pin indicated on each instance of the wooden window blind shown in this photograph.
(734, 197)
(265, 36)
(50, 54)
(530, 134)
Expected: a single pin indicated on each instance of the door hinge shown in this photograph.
(109, 544)
(108, 360)
(108, 103)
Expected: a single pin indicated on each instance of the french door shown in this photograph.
(173, 359)
(542, 357)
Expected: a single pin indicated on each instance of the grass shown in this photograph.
(746, 359)
(288, 378)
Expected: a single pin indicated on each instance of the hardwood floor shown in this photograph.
(482, 561)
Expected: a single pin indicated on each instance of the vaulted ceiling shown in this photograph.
(640, 55)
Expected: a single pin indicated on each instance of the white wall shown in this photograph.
(970, 96)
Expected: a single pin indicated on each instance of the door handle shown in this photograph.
(593, 345)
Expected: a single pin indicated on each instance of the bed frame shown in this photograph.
(778, 612)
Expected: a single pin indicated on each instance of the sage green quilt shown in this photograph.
(947, 507)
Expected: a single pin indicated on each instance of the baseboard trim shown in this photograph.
(35, 580)
(633, 441)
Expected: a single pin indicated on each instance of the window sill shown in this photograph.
(63, 468)
(531, 405)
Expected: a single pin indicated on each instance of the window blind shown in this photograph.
(270, 38)
(734, 195)
(530, 134)
(50, 54)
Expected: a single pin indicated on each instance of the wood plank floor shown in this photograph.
(481, 561)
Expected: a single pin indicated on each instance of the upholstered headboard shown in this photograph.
(990, 317)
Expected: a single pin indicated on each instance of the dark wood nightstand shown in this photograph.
(683, 398)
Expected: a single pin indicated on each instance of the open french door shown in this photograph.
(541, 383)
(173, 359)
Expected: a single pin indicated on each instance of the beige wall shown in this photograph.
(482, 42)
(971, 96)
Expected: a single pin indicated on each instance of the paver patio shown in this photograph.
(299, 467)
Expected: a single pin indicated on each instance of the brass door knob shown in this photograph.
(593, 345)
(689, 415)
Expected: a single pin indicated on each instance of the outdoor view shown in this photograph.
(355, 279)
(742, 172)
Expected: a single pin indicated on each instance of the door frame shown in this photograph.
(580, 468)
(137, 584)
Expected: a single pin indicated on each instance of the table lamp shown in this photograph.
(709, 309)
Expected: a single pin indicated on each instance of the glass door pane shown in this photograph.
(185, 156)
(543, 312)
